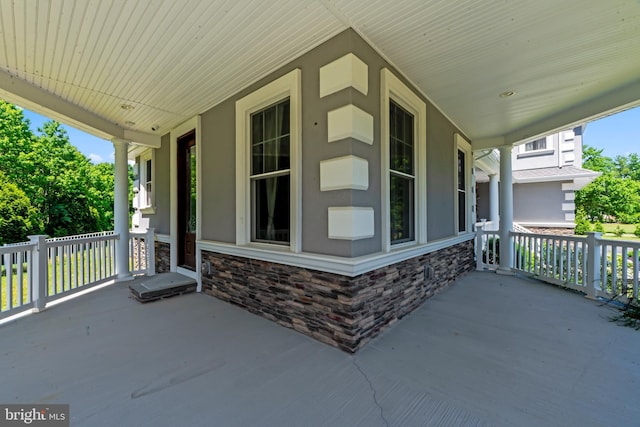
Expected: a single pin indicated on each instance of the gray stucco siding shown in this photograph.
(161, 219)
(538, 203)
(218, 153)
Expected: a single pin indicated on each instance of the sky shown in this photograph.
(618, 134)
(98, 150)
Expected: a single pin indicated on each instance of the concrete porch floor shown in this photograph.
(489, 350)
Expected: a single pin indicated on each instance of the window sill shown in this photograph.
(536, 153)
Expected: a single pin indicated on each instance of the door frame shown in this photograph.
(192, 124)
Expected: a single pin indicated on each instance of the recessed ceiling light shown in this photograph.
(130, 123)
(127, 107)
(507, 94)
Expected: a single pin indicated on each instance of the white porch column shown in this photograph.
(121, 208)
(493, 198)
(506, 210)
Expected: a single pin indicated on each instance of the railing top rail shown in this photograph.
(77, 240)
(550, 236)
(81, 236)
(616, 242)
(13, 245)
(9, 249)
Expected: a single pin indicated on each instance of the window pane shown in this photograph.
(148, 176)
(400, 140)
(462, 211)
(283, 153)
(271, 209)
(461, 171)
(283, 118)
(270, 156)
(539, 144)
(257, 154)
(257, 127)
(270, 139)
(401, 209)
(270, 122)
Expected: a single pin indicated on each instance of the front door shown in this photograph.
(187, 201)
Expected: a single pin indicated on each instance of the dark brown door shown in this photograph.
(187, 200)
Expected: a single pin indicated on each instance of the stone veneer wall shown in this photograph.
(553, 230)
(345, 312)
(163, 257)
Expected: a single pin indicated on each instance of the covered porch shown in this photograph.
(488, 350)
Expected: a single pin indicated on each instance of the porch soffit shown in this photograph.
(81, 61)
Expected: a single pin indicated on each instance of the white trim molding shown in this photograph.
(344, 72)
(392, 88)
(163, 238)
(344, 173)
(351, 223)
(146, 208)
(350, 122)
(332, 264)
(287, 86)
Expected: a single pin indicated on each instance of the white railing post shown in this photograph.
(150, 251)
(594, 270)
(39, 272)
(479, 236)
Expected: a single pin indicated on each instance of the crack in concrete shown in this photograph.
(375, 397)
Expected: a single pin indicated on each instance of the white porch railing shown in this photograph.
(44, 270)
(142, 253)
(487, 247)
(598, 267)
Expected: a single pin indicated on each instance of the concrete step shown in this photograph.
(164, 285)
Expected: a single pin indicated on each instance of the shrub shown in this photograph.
(583, 226)
(598, 227)
(18, 217)
(637, 230)
(618, 231)
(488, 254)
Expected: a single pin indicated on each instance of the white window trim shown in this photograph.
(548, 146)
(289, 86)
(145, 208)
(391, 88)
(463, 145)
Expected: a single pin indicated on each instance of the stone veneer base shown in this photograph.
(163, 257)
(345, 312)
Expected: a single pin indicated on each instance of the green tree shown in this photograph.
(593, 159)
(615, 195)
(101, 194)
(18, 218)
(70, 195)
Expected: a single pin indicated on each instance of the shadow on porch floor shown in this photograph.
(490, 350)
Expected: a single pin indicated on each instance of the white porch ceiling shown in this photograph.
(81, 60)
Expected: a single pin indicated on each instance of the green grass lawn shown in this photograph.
(628, 230)
(65, 281)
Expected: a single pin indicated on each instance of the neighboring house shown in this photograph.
(546, 174)
(317, 197)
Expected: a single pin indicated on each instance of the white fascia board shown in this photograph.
(141, 138)
(18, 91)
(485, 143)
(612, 102)
(554, 178)
(488, 162)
